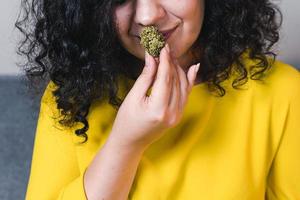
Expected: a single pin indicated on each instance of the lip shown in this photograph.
(166, 33)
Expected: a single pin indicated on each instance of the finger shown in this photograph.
(192, 74)
(176, 91)
(175, 94)
(162, 86)
(146, 78)
(183, 82)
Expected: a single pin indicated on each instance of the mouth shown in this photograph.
(166, 34)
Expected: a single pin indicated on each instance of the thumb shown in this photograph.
(145, 80)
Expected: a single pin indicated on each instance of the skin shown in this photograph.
(143, 119)
(171, 76)
(188, 15)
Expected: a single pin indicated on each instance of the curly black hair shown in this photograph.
(75, 44)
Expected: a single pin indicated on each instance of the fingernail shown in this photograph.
(147, 63)
(197, 68)
(168, 48)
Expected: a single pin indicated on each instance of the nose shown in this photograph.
(148, 12)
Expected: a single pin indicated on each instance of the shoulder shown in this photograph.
(278, 72)
(50, 115)
(286, 73)
(286, 81)
(285, 76)
(48, 102)
(281, 78)
(48, 98)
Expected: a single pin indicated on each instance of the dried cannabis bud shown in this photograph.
(152, 40)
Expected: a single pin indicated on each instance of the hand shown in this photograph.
(141, 119)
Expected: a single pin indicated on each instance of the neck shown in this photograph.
(188, 59)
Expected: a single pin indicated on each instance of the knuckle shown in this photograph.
(172, 121)
(168, 79)
(160, 117)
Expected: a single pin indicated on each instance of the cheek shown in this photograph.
(195, 15)
(191, 14)
(187, 9)
(121, 17)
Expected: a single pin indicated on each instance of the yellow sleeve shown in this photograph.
(54, 173)
(284, 176)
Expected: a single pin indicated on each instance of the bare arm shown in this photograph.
(110, 175)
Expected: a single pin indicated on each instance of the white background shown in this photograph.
(288, 48)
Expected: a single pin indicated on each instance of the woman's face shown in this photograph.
(186, 15)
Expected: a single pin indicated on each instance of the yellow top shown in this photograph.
(243, 146)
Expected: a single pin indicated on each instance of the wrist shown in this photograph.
(121, 146)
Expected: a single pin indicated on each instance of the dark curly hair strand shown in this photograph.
(74, 43)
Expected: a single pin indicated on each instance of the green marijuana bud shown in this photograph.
(152, 40)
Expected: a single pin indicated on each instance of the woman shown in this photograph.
(113, 126)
